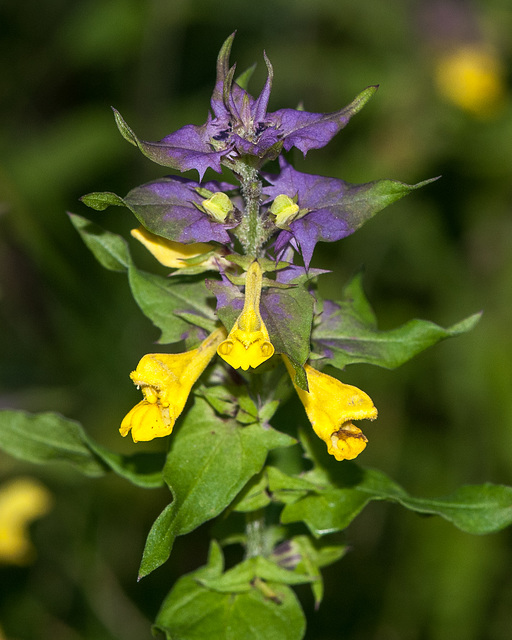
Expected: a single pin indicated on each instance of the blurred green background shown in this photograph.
(70, 331)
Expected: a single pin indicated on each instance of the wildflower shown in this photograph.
(241, 127)
(166, 380)
(248, 343)
(331, 406)
(472, 78)
(21, 501)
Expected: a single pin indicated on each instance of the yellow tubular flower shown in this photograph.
(248, 343)
(166, 380)
(21, 501)
(169, 253)
(331, 406)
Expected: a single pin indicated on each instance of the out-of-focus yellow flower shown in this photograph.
(169, 253)
(21, 501)
(472, 78)
(166, 380)
(331, 406)
(248, 343)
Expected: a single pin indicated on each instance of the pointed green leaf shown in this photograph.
(347, 333)
(141, 469)
(108, 248)
(101, 200)
(288, 316)
(313, 555)
(162, 300)
(253, 496)
(209, 463)
(174, 306)
(475, 509)
(241, 577)
(47, 437)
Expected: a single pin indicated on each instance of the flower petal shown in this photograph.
(166, 380)
(331, 406)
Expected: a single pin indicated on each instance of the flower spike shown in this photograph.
(248, 343)
(331, 406)
(166, 380)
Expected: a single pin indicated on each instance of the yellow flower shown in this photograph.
(248, 343)
(331, 406)
(21, 501)
(169, 253)
(166, 380)
(472, 78)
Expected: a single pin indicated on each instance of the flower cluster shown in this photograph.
(258, 234)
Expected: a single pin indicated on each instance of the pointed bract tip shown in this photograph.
(225, 50)
(124, 129)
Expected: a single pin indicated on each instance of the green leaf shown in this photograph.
(47, 437)
(141, 469)
(175, 307)
(242, 576)
(253, 496)
(163, 300)
(108, 248)
(209, 463)
(313, 555)
(285, 488)
(347, 333)
(102, 200)
(341, 496)
(288, 315)
(362, 201)
(191, 611)
(476, 509)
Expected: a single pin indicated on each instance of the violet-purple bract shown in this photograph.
(329, 208)
(241, 127)
(171, 208)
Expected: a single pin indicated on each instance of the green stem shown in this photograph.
(255, 532)
(251, 231)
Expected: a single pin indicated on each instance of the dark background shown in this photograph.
(70, 331)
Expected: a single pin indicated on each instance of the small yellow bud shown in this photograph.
(248, 343)
(219, 206)
(284, 209)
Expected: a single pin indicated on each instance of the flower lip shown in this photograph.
(248, 343)
(166, 380)
(331, 406)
